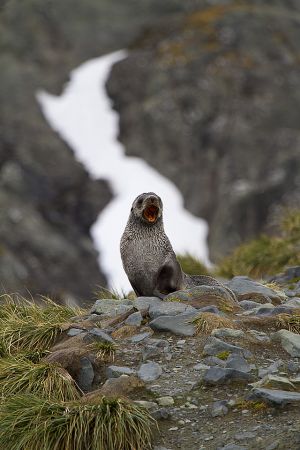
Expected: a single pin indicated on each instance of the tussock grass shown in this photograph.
(192, 265)
(103, 293)
(266, 255)
(289, 322)
(29, 423)
(104, 350)
(28, 326)
(206, 322)
(19, 375)
(275, 286)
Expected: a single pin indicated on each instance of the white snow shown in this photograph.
(83, 117)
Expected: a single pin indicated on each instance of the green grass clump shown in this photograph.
(27, 326)
(104, 350)
(223, 355)
(266, 255)
(103, 293)
(29, 423)
(19, 375)
(192, 265)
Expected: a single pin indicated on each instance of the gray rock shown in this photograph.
(154, 347)
(111, 307)
(273, 368)
(245, 435)
(179, 325)
(259, 335)
(293, 302)
(97, 335)
(247, 289)
(134, 319)
(293, 366)
(227, 332)
(139, 337)
(221, 375)
(161, 414)
(271, 381)
(232, 447)
(85, 375)
(214, 346)
(210, 308)
(219, 408)
(142, 303)
(117, 371)
(201, 366)
(273, 445)
(249, 304)
(276, 396)
(170, 309)
(237, 362)
(74, 331)
(149, 371)
(214, 361)
(289, 341)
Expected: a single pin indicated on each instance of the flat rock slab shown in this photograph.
(180, 325)
(111, 307)
(142, 303)
(134, 319)
(227, 332)
(214, 346)
(289, 341)
(201, 296)
(117, 371)
(238, 362)
(221, 375)
(247, 289)
(276, 396)
(165, 308)
(95, 334)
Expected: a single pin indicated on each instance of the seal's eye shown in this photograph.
(140, 202)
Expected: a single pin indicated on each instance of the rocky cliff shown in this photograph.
(211, 99)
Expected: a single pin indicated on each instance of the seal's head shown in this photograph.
(147, 207)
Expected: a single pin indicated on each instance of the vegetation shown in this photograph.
(223, 355)
(206, 322)
(19, 375)
(27, 326)
(290, 322)
(28, 422)
(104, 350)
(192, 265)
(102, 294)
(266, 255)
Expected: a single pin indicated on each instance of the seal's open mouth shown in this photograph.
(150, 213)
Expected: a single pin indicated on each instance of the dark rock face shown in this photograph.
(47, 201)
(209, 99)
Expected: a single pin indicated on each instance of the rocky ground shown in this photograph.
(219, 368)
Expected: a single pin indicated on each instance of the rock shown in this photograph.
(249, 304)
(214, 346)
(201, 366)
(117, 371)
(271, 381)
(259, 335)
(237, 362)
(227, 332)
(210, 308)
(140, 337)
(247, 289)
(290, 274)
(273, 368)
(154, 347)
(180, 325)
(273, 446)
(214, 361)
(124, 332)
(134, 319)
(161, 414)
(289, 341)
(293, 366)
(149, 371)
(293, 302)
(221, 375)
(74, 331)
(276, 396)
(146, 404)
(85, 376)
(219, 408)
(95, 334)
(165, 401)
(111, 307)
(116, 387)
(144, 303)
(232, 447)
(245, 435)
(261, 310)
(170, 309)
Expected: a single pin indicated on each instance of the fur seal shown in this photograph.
(147, 255)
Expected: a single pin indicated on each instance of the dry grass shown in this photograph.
(29, 423)
(206, 322)
(104, 350)
(289, 322)
(27, 326)
(19, 375)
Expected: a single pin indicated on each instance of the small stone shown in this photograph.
(227, 332)
(214, 346)
(249, 304)
(146, 404)
(289, 341)
(219, 408)
(232, 447)
(259, 335)
(245, 436)
(149, 371)
(201, 366)
(273, 368)
(165, 401)
(273, 446)
(134, 319)
(161, 414)
(117, 371)
(173, 429)
(214, 361)
(210, 308)
(140, 337)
